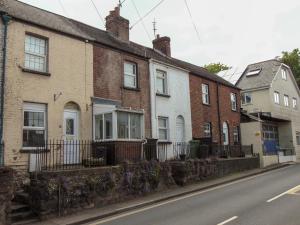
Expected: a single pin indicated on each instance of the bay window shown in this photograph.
(118, 125)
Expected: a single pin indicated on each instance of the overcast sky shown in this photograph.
(234, 32)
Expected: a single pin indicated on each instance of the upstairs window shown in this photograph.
(233, 101)
(295, 106)
(207, 130)
(276, 97)
(130, 75)
(284, 74)
(36, 53)
(246, 98)
(161, 82)
(253, 72)
(34, 125)
(286, 100)
(205, 94)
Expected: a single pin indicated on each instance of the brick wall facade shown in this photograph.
(109, 78)
(202, 113)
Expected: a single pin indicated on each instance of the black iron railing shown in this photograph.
(200, 151)
(74, 154)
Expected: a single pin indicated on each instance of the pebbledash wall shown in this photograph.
(109, 81)
(202, 113)
(71, 68)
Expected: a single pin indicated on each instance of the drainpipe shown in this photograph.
(5, 19)
(219, 116)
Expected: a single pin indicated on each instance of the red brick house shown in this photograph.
(215, 110)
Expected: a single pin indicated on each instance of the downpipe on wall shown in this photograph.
(5, 19)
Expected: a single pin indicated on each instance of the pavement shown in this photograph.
(239, 198)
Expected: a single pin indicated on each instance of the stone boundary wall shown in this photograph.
(65, 192)
(7, 189)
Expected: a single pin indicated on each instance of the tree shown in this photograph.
(216, 67)
(292, 59)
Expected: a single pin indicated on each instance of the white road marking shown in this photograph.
(101, 221)
(290, 191)
(229, 220)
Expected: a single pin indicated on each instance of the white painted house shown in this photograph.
(170, 105)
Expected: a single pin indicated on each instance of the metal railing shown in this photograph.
(193, 149)
(75, 154)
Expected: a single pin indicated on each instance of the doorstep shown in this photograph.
(89, 215)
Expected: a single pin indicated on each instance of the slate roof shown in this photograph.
(268, 71)
(40, 17)
(52, 21)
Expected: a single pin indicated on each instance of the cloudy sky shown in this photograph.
(234, 32)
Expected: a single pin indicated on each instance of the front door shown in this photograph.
(71, 130)
(225, 134)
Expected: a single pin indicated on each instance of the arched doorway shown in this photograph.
(180, 129)
(71, 132)
(225, 134)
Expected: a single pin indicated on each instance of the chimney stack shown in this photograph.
(117, 25)
(162, 44)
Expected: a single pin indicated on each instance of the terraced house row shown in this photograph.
(65, 80)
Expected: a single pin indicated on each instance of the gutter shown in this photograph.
(5, 19)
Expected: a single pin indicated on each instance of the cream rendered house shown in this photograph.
(48, 82)
(271, 119)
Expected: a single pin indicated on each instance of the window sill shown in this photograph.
(164, 142)
(131, 88)
(32, 150)
(206, 104)
(36, 72)
(163, 95)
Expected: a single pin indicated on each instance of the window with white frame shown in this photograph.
(207, 130)
(246, 98)
(129, 125)
(163, 128)
(276, 97)
(298, 137)
(161, 82)
(236, 137)
(294, 101)
(233, 101)
(103, 126)
(36, 53)
(130, 75)
(205, 94)
(286, 100)
(284, 74)
(34, 125)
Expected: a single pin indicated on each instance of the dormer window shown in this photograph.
(284, 74)
(253, 72)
